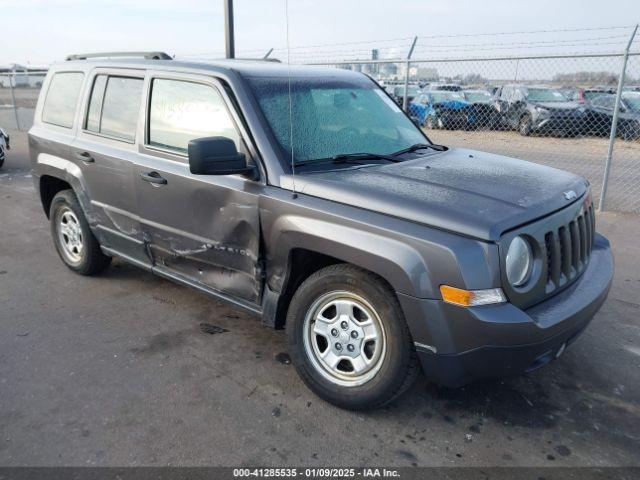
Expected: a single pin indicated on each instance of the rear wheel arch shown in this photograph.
(50, 186)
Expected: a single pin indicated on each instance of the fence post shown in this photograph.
(614, 121)
(405, 102)
(13, 100)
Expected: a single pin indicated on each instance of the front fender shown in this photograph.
(414, 259)
(398, 263)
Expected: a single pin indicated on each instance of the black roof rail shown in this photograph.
(146, 55)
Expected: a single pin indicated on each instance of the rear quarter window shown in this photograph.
(114, 107)
(62, 99)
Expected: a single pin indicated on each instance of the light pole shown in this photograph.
(228, 29)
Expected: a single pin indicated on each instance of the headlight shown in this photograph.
(542, 111)
(519, 262)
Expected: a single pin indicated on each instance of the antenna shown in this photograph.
(293, 163)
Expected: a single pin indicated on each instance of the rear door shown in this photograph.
(600, 116)
(202, 229)
(515, 98)
(106, 148)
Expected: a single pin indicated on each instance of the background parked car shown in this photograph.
(397, 93)
(582, 95)
(600, 115)
(545, 110)
(483, 104)
(443, 109)
(449, 87)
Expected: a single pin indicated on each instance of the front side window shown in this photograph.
(604, 101)
(114, 107)
(181, 111)
(545, 95)
(332, 117)
(478, 96)
(632, 100)
(62, 99)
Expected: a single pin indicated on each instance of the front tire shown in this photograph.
(75, 243)
(430, 123)
(348, 339)
(525, 126)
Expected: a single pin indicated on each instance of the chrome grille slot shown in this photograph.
(568, 249)
(554, 257)
(575, 244)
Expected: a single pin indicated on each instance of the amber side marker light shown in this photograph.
(471, 298)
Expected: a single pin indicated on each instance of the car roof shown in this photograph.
(246, 68)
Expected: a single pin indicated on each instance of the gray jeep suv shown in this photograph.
(307, 197)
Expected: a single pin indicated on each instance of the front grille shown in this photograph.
(568, 249)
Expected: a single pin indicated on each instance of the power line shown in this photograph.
(526, 32)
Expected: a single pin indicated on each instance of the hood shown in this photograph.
(473, 193)
(558, 105)
(452, 104)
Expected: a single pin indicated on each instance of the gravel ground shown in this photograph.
(115, 370)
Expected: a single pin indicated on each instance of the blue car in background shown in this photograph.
(443, 109)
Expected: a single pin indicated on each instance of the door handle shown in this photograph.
(85, 157)
(153, 177)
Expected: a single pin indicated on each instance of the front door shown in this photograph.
(203, 229)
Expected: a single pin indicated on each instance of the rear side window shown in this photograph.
(114, 107)
(181, 111)
(62, 99)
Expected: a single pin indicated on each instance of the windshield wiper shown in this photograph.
(351, 158)
(419, 146)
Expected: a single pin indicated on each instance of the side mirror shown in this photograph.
(216, 156)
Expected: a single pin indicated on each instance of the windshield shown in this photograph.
(632, 100)
(333, 117)
(545, 95)
(444, 95)
(478, 96)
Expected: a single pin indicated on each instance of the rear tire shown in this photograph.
(430, 123)
(348, 339)
(75, 243)
(525, 127)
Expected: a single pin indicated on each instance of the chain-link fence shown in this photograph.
(19, 92)
(554, 109)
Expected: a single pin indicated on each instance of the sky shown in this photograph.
(38, 32)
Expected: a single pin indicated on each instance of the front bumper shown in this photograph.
(459, 345)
